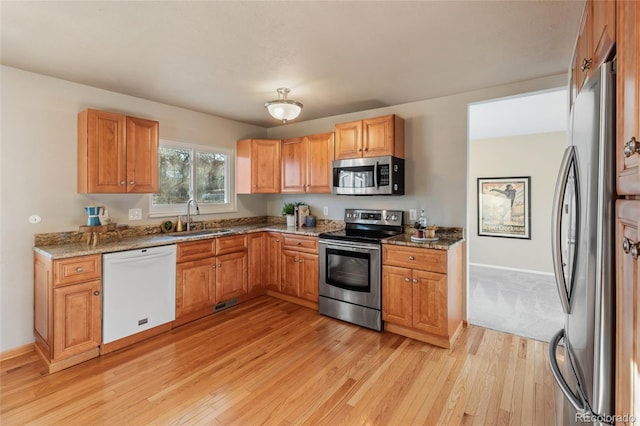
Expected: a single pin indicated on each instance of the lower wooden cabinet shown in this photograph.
(68, 309)
(231, 276)
(272, 261)
(422, 293)
(627, 376)
(257, 243)
(216, 271)
(292, 264)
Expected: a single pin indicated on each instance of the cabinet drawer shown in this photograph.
(196, 250)
(77, 269)
(231, 244)
(300, 243)
(416, 258)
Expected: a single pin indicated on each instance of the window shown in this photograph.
(193, 171)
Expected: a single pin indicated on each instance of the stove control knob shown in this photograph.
(386, 217)
(394, 217)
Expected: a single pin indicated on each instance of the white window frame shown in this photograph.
(166, 210)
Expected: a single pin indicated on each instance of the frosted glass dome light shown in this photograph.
(282, 108)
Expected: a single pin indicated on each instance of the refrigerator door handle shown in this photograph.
(556, 249)
(574, 399)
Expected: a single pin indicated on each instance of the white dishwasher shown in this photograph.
(138, 290)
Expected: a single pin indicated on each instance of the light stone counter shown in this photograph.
(60, 251)
(447, 238)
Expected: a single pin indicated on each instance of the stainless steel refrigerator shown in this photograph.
(582, 246)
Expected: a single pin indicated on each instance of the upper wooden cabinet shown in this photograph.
(117, 153)
(258, 166)
(595, 41)
(628, 98)
(373, 137)
(306, 164)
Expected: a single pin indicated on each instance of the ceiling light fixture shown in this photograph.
(282, 108)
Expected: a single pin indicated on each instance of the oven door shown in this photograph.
(350, 272)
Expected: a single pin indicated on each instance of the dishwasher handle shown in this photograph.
(138, 258)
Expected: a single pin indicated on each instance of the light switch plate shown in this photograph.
(135, 214)
(413, 214)
(325, 210)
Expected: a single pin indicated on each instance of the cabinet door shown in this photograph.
(348, 140)
(231, 276)
(628, 95)
(627, 303)
(77, 319)
(265, 166)
(583, 49)
(309, 276)
(256, 260)
(319, 163)
(195, 286)
(273, 261)
(430, 302)
(101, 152)
(396, 295)
(603, 29)
(378, 136)
(142, 155)
(291, 273)
(294, 162)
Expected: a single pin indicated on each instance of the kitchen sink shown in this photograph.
(199, 233)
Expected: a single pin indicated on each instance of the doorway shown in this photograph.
(515, 146)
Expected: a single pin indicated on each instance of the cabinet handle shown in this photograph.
(366, 149)
(79, 269)
(213, 266)
(132, 182)
(631, 147)
(412, 258)
(359, 149)
(630, 247)
(586, 64)
(277, 241)
(298, 243)
(96, 293)
(219, 265)
(415, 280)
(406, 280)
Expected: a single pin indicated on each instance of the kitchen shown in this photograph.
(43, 109)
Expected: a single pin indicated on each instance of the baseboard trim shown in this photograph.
(20, 350)
(526, 271)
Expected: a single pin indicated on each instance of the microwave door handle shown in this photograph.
(375, 175)
(556, 249)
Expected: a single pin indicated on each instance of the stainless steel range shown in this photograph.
(350, 266)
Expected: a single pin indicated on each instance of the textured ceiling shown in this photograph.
(228, 58)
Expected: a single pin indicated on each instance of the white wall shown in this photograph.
(537, 155)
(38, 167)
(435, 155)
(38, 174)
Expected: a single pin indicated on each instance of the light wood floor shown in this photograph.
(272, 362)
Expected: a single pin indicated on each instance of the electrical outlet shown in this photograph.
(325, 210)
(135, 214)
(413, 214)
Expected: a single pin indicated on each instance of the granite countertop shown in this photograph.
(446, 239)
(61, 251)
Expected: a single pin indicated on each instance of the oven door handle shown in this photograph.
(349, 246)
(375, 175)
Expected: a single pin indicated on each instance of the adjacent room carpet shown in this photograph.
(517, 302)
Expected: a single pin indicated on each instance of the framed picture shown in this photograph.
(504, 207)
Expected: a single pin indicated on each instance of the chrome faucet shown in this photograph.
(189, 212)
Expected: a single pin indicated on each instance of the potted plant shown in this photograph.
(289, 210)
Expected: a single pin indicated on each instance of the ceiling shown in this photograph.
(227, 58)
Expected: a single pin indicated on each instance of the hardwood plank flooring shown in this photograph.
(272, 362)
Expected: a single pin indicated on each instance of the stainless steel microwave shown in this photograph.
(369, 176)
